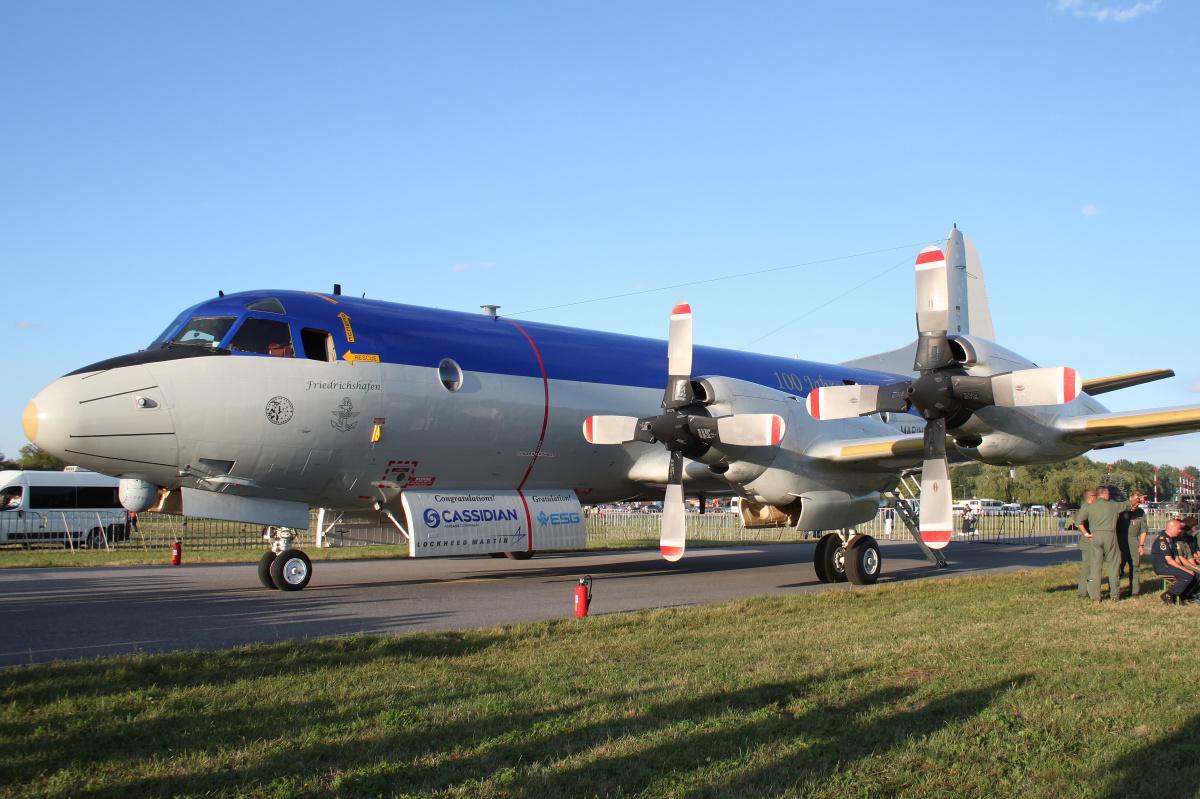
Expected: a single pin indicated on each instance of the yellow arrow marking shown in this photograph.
(346, 323)
(353, 357)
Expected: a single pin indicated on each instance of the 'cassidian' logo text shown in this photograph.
(432, 519)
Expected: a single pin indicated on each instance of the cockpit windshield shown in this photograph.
(204, 331)
(162, 337)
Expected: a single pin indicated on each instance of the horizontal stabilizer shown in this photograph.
(1105, 384)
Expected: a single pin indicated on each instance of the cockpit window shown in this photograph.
(263, 336)
(269, 305)
(204, 331)
(162, 337)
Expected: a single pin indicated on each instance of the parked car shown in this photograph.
(1039, 510)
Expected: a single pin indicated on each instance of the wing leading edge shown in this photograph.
(1118, 428)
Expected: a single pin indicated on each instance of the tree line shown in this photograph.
(1048, 483)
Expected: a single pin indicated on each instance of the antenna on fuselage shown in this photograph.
(490, 310)
(220, 293)
(337, 289)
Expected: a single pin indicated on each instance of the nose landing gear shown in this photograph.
(283, 567)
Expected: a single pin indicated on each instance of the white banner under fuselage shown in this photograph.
(476, 522)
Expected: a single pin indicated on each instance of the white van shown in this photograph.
(74, 507)
(985, 507)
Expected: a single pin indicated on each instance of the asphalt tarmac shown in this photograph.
(71, 613)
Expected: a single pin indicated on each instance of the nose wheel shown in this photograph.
(283, 567)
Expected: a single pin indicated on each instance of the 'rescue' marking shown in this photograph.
(358, 357)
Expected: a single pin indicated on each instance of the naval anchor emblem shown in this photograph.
(344, 414)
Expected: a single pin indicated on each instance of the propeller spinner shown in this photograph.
(944, 391)
(685, 428)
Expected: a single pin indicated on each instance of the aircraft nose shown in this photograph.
(115, 421)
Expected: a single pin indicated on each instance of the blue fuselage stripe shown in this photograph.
(418, 336)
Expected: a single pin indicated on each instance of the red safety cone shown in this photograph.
(583, 596)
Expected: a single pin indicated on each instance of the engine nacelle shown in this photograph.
(979, 356)
(804, 491)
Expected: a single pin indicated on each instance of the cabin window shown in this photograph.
(264, 337)
(11, 499)
(450, 374)
(318, 345)
(204, 331)
(269, 305)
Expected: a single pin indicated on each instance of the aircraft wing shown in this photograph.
(886, 453)
(1116, 428)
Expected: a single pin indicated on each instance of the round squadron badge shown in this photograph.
(279, 410)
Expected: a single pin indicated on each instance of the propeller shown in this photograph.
(685, 428)
(944, 394)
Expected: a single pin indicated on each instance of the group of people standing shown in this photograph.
(1112, 534)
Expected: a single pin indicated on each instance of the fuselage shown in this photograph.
(341, 402)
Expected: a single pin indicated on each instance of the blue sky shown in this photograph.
(533, 154)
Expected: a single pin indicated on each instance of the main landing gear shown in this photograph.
(845, 556)
(283, 567)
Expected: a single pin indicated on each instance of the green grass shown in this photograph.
(1002, 685)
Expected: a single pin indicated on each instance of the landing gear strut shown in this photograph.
(283, 567)
(844, 556)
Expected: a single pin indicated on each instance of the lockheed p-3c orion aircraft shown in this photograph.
(475, 433)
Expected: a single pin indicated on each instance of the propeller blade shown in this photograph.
(609, 429)
(679, 358)
(933, 291)
(751, 430)
(937, 497)
(673, 537)
(1053, 385)
(842, 402)
(933, 310)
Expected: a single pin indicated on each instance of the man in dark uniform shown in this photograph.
(1166, 562)
(1098, 523)
(1131, 530)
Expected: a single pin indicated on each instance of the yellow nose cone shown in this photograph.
(29, 421)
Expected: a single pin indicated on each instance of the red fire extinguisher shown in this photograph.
(176, 553)
(583, 596)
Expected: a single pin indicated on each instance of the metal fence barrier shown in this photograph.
(117, 530)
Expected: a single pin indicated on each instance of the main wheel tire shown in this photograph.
(291, 570)
(863, 560)
(523, 555)
(819, 559)
(264, 570)
(834, 559)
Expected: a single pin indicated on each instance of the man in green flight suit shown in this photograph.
(1085, 549)
(1131, 532)
(1098, 521)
